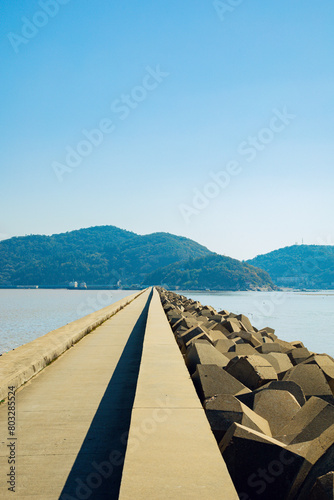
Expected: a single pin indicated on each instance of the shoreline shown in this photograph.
(27, 315)
(172, 289)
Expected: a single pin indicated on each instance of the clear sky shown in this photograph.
(211, 120)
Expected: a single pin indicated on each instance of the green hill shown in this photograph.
(299, 266)
(97, 255)
(214, 272)
(105, 255)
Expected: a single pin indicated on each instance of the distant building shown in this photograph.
(73, 284)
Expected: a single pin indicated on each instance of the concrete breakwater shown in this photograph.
(116, 416)
(21, 364)
(269, 402)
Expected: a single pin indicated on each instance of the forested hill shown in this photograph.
(107, 255)
(215, 272)
(97, 255)
(300, 266)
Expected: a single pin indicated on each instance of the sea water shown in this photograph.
(27, 314)
(305, 316)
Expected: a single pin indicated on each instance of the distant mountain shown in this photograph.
(214, 272)
(107, 255)
(97, 255)
(299, 266)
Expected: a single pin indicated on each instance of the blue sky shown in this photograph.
(184, 95)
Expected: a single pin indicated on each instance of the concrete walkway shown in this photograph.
(115, 416)
(171, 453)
(73, 417)
(21, 364)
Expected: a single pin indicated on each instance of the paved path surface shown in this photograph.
(171, 452)
(116, 416)
(72, 415)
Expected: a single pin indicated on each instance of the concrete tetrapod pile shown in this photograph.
(269, 402)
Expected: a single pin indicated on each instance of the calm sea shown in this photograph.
(306, 316)
(28, 314)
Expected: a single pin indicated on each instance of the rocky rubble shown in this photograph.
(269, 402)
